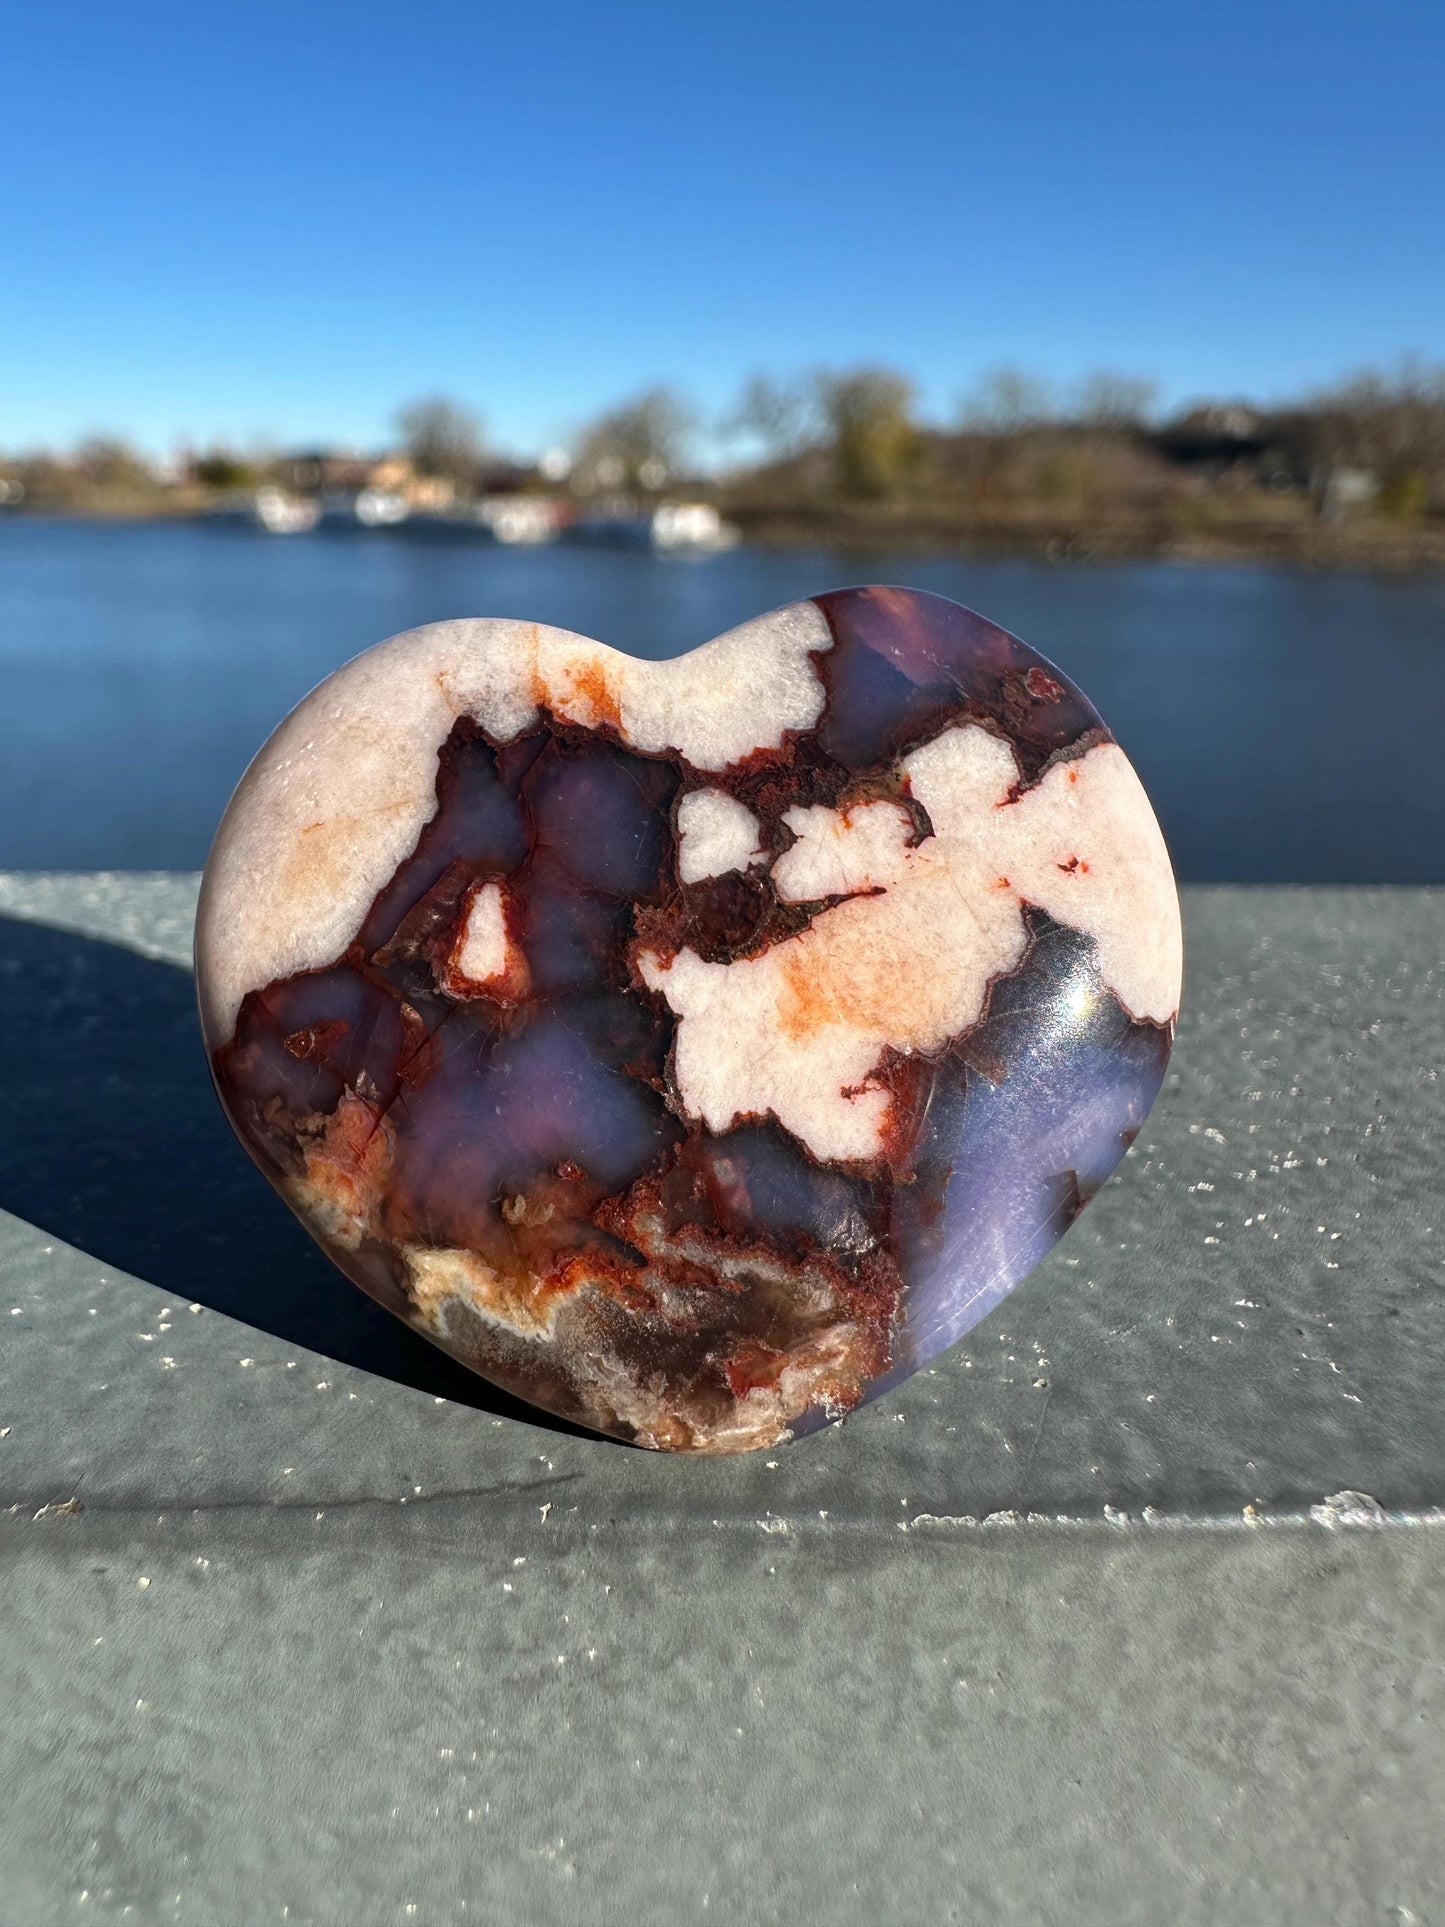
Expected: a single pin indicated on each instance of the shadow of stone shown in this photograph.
(111, 1137)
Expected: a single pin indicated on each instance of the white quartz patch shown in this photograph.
(841, 852)
(716, 833)
(337, 798)
(739, 693)
(481, 956)
(801, 1030)
(1083, 845)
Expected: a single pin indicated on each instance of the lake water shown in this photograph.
(1288, 725)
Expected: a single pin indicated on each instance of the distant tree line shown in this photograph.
(1376, 439)
(1373, 443)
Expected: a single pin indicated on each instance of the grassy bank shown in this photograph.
(1038, 535)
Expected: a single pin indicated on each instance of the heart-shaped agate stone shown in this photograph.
(694, 1048)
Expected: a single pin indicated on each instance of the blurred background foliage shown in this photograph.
(840, 451)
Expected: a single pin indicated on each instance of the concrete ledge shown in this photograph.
(1025, 1641)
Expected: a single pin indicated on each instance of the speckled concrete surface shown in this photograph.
(744, 1690)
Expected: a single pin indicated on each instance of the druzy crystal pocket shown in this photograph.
(694, 1048)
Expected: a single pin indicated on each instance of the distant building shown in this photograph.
(1235, 445)
(329, 471)
(312, 469)
(1215, 437)
(334, 471)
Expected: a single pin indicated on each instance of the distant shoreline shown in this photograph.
(1358, 544)
(1364, 543)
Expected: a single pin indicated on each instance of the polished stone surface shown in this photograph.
(694, 1048)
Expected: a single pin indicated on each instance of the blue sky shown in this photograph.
(283, 220)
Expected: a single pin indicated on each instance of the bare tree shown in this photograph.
(108, 462)
(442, 438)
(1115, 402)
(1006, 400)
(1390, 426)
(780, 416)
(640, 444)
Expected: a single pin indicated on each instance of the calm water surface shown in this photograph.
(1288, 725)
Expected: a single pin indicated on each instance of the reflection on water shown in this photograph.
(1288, 725)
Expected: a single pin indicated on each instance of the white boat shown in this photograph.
(271, 509)
(381, 508)
(673, 528)
(520, 518)
(366, 508)
(692, 525)
(510, 519)
(282, 514)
